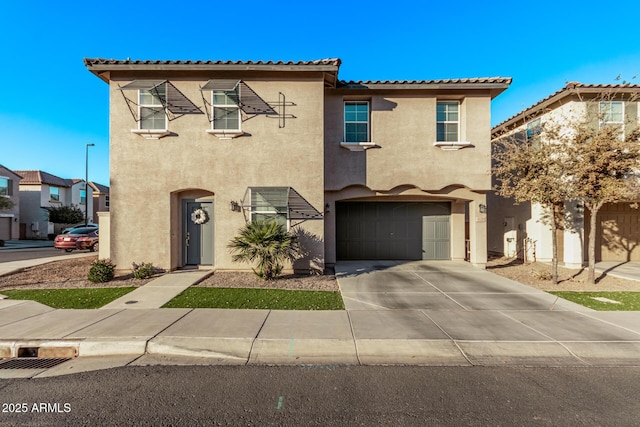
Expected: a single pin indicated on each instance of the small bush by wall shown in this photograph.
(102, 270)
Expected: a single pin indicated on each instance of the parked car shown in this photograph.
(78, 238)
(81, 225)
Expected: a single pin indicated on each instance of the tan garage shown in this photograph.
(617, 233)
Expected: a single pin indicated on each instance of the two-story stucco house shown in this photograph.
(618, 224)
(9, 189)
(386, 170)
(100, 199)
(40, 190)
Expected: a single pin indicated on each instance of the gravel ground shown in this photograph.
(538, 275)
(69, 273)
(72, 273)
(239, 279)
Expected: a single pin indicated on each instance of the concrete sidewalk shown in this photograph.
(421, 337)
(456, 316)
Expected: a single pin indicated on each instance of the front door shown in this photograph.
(198, 232)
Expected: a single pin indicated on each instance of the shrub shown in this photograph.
(101, 271)
(268, 243)
(143, 270)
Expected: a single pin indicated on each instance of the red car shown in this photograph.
(78, 238)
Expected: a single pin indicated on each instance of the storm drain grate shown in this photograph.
(32, 363)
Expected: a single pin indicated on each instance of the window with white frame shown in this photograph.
(269, 204)
(6, 186)
(612, 114)
(356, 121)
(83, 197)
(226, 112)
(447, 121)
(151, 111)
(54, 194)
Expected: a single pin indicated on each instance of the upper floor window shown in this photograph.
(534, 129)
(226, 112)
(612, 115)
(6, 186)
(106, 200)
(151, 110)
(447, 121)
(83, 196)
(356, 121)
(611, 112)
(54, 193)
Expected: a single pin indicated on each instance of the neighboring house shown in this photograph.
(100, 199)
(9, 184)
(380, 170)
(40, 190)
(618, 226)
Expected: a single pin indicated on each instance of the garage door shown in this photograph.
(618, 233)
(393, 230)
(5, 228)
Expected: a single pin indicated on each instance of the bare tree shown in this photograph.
(604, 156)
(529, 171)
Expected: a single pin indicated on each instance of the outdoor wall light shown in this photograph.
(327, 208)
(234, 206)
(483, 208)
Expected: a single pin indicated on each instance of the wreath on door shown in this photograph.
(199, 216)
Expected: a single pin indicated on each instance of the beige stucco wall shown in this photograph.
(407, 166)
(149, 177)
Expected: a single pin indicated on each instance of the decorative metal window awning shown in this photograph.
(280, 198)
(249, 102)
(174, 102)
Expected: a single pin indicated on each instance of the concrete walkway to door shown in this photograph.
(437, 285)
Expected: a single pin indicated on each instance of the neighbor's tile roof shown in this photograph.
(40, 177)
(99, 187)
(10, 171)
(570, 89)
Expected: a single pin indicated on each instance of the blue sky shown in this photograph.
(51, 106)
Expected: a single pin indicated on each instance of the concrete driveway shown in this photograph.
(437, 285)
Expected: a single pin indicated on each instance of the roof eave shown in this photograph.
(102, 68)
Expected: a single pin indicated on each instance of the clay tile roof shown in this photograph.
(103, 61)
(570, 89)
(35, 177)
(475, 80)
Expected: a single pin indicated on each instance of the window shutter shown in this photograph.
(10, 188)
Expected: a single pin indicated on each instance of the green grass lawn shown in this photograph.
(629, 301)
(273, 299)
(70, 298)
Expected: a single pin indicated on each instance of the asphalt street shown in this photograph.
(9, 255)
(327, 395)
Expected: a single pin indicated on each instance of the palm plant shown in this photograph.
(268, 243)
